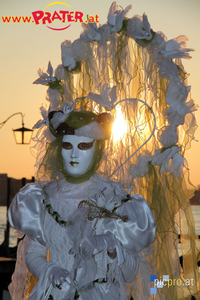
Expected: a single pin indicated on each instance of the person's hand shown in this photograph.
(60, 278)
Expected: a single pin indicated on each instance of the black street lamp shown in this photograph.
(22, 135)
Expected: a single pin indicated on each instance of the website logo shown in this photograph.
(55, 16)
(155, 283)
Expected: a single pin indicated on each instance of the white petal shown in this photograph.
(105, 31)
(160, 158)
(57, 119)
(40, 81)
(111, 14)
(164, 166)
(60, 72)
(167, 136)
(97, 98)
(38, 124)
(50, 69)
(146, 24)
(110, 206)
(100, 201)
(105, 90)
(176, 165)
(119, 19)
(113, 95)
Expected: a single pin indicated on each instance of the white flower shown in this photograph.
(141, 167)
(173, 117)
(160, 156)
(72, 53)
(165, 51)
(107, 98)
(107, 198)
(163, 157)
(177, 94)
(167, 69)
(45, 119)
(101, 201)
(105, 31)
(175, 48)
(109, 202)
(57, 119)
(67, 107)
(167, 135)
(91, 32)
(139, 27)
(116, 16)
(185, 107)
(60, 116)
(47, 77)
(157, 41)
(176, 165)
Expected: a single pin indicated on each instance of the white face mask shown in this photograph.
(77, 153)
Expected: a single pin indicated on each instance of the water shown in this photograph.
(13, 240)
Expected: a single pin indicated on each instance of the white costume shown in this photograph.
(119, 105)
(27, 213)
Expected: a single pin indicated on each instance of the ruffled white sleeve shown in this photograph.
(139, 231)
(26, 212)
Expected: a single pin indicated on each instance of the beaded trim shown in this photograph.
(63, 223)
(54, 214)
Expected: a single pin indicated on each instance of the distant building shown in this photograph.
(195, 200)
(9, 188)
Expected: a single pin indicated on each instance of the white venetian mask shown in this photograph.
(77, 153)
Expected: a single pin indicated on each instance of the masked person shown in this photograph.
(86, 235)
(91, 229)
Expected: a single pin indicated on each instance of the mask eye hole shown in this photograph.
(85, 146)
(67, 146)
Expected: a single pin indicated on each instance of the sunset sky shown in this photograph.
(26, 47)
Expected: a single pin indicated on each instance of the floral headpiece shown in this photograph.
(100, 71)
(90, 125)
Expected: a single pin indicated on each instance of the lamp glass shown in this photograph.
(18, 137)
(23, 135)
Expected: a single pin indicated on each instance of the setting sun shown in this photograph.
(120, 126)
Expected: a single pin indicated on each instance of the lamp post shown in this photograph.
(22, 135)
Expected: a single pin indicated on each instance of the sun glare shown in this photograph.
(120, 126)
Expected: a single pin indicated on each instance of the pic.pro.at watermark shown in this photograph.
(167, 282)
